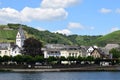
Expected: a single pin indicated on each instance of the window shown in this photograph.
(76, 55)
(72, 54)
(5, 52)
(69, 54)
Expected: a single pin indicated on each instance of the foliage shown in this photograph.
(32, 47)
(19, 59)
(115, 53)
(28, 59)
(1, 59)
(6, 58)
(90, 58)
(51, 59)
(80, 58)
(48, 37)
(62, 58)
(109, 38)
(39, 58)
(71, 58)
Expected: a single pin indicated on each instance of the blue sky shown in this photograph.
(82, 17)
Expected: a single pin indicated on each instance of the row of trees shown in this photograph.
(21, 59)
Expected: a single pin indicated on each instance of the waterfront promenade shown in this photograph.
(95, 68)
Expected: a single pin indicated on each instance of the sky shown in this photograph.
(81, 17)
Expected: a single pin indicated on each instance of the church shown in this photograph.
(13, 49)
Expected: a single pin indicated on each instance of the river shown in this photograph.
(60, 76)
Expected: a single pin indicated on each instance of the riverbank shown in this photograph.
(98, 68)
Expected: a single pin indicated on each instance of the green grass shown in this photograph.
(113, 37)
(8, 35)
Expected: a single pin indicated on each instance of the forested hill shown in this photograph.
(8, 33)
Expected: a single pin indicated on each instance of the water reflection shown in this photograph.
(61, 76)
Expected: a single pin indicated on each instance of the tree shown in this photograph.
(62, 58)
(115, 53)
(71, 58)
(79, 59)
(90, 58)
(32, 47)
(6, 58)
(28, 59)
(19, 59)
(0, 59)
(51, 59)
(39, 59)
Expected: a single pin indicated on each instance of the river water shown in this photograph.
(60, 76)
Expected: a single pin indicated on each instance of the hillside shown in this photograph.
(113, 37)
(8, 34)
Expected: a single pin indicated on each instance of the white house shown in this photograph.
(58, 50)
(15, 50)
(90, 49)
(5, 49)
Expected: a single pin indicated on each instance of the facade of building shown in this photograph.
(90, 49)
(5, 49)
(96, 53)
(58, 50)
(15, 50)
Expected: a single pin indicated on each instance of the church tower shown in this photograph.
(20, 37)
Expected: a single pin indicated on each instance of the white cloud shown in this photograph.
(64, 31)
(105, 10)
(74, 25)
(44, 14)
(9, 15)
(40, 28)
(58, 3)
(114, 29)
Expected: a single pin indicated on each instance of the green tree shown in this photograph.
(90, 58)
(0, 59)
(62, 58)
(71, 58)
(29, 59)
(6, 58)
(51, 59)
(19, 59)
(115, 53)
(39, 59)
(32, 47)
(79, 59)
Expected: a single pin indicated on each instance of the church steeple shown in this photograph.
(20, 37)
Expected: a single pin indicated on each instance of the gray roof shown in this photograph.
(111, 46)
(14, 47)
(61, 47)
(4, 46)
(54, 46)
